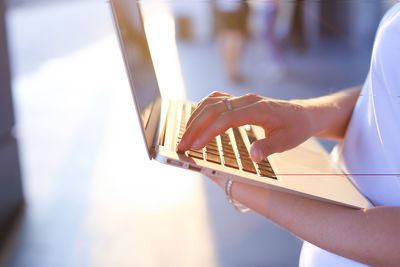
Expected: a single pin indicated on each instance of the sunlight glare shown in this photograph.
(160, 31)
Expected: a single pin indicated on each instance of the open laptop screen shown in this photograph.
(139, 65)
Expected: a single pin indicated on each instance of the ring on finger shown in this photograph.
(227, 104)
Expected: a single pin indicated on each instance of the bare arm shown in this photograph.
(286, 123)
(371, 236)
(331, 114)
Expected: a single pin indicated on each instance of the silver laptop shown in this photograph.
(306, 170)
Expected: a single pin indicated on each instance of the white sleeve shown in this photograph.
(385, 86)
(385, 61)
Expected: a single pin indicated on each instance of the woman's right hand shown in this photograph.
(286, 123)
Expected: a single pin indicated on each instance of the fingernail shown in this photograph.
(196, 144)
(256, 154)
(260, 155)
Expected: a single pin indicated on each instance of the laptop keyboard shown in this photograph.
(228, 149)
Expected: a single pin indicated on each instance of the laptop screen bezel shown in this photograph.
(149, 128)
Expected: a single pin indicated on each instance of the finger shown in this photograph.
(235, 102)
(211, 98)
(208, 114)
(204, 118)
(201, 105)
(213, 95)
(254, 113)
(217, 93)
(274, 143)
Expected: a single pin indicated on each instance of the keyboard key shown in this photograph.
(212, 151)
(213, 158)
(229, 155)
(195, 153)
(265, 163)
(260, 167)
(248, 167)
(231, 162)
(251, 136)
(212, 147)
(247, 163)
(264, 166)
(265, 169)
(267, 174)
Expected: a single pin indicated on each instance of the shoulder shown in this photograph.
(388, 34)
(385, 58)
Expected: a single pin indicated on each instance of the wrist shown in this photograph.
(309, 114)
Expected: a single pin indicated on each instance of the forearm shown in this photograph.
(370, 236)
(330, 115)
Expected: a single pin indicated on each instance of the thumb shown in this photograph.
(260, 149)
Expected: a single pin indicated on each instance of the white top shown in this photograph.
(372, 141)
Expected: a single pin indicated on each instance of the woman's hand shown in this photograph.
(286, 124)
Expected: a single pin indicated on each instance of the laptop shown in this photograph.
(306, 170)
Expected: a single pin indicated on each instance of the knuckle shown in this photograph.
(202, 103)
(215, 93)
(252, 96)
(262, 105)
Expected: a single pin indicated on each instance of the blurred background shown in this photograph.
(72, 143)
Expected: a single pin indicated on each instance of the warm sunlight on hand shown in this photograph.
(286, 124)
